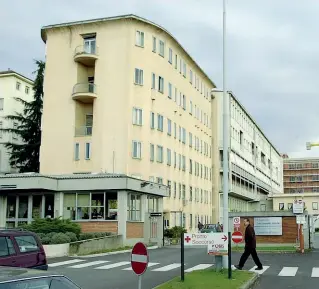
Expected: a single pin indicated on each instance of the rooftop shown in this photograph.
(301, 160)
(10, 72)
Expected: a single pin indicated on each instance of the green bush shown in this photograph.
(72, 236)
(316, 229)
(56, 225)
(86, 236)
(174, 232)
(60, 238)
(46, 240)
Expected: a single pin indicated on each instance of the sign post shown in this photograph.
(139, 261)
(236, 223)
(182, 255)
(229, 258)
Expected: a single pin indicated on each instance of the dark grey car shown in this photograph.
(22, 278)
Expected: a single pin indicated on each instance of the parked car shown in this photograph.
(18, 278)
(211, 228)
(20, 248)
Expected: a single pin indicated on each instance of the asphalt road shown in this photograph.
(281, 271)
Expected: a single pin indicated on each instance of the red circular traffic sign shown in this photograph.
(237, 237)
(139, 258)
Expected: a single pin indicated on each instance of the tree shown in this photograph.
(25, 156)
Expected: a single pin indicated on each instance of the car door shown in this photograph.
(8, 253)
(28, 251)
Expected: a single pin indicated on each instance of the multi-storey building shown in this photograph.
(254, 163)
(12, 85)
(123, 96)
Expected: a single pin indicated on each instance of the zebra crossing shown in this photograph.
(157, 267)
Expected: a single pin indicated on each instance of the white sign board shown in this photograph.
(236, 222)
(298, 207)
(268, 226)
(301, 219)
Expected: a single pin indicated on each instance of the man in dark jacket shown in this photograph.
(250, 247)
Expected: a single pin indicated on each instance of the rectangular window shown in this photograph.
(183, 163)
(190, 139)
(137, 116)
(190, 76)
(184, 68)
(175, 96)
(138, 79)
(7, 247)
(175, 159)
(152, 120)
(190, 107)
(77, 152)
(153, 81)
(161, 48)
(176, 60)
(184, 102)
(175, 130)
(27, 89)
(87, 151)
(15, 126)
(18, 85)
(0, 129)
(184, 135)
(170, 56)
(139, 38)
(159, 154)
(169, 127)
(169, 90)
(136, 149)
(154, 44)
(27, 243)
(190, 166)
(179, 133)
(161, 84)
(152, 152)
(169, 157)
(315, 206)
(134, 207)
(180, 65)
(160, 120)
(169, 184)
(1, 103)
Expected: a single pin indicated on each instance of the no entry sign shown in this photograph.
(237, 237)
(139, 258)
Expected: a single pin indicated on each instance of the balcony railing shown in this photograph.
(83, 131)
(81, 49)
(87, 55)
(84, 88)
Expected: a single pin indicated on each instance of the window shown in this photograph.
(27, 243)
(175, 130)
(136, 149)
(169, 90)
(138, 76)
(176, 60)
(183, 135)
(315, 205)
(190, 107)
(183, 163)
(139, 38)
(161, 48)
(6, 247)
(90, 44)
(184, 102)
(152, 120)
(154, 44)
(15, 126)
(137, 116)
(18, 84)
(161, 84)
(190, 76)
(281, 206)
(184, 68)
(134, 207)
(170, 56)
(87, 151)
(77, 152)
(26, 90)
(160, 122)
(169, 157)
(169, 184)
(169, 127)
(175, 159)
(190, 139)
(160, 154)
(152, 152)
(1, 103)
(153, 81)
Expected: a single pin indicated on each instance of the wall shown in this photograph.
(103, 226)
(289, 226)
(134, 230)
(58, 250)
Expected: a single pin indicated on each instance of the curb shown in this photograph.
(250, 283)
(110, 253)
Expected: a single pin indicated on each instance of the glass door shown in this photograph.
(89, 45)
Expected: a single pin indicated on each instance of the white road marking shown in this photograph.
(199, 267)
(168, 267)
(66, 262)
(115, 265)
(150, 264)
(288, 271)
(83, 265)
(259, 271)
(315, 272)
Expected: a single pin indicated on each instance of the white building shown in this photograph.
(12, 85)
(255, 164)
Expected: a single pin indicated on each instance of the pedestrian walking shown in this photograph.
(200, 226)
(250, 247)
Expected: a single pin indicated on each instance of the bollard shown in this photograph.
(219, 263)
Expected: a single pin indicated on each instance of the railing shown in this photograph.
(81, 49)
(83, 131)
(84, 88)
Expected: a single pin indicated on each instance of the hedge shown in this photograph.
(174, 232)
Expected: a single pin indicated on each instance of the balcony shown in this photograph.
(84, 92)
(86, 55)
(83, 131)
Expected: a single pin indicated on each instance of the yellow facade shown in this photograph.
(123, 96)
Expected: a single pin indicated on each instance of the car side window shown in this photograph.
(62, 283)
(27, 243)
(6, 247)
(42, 283)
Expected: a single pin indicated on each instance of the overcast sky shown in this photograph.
(273, 51)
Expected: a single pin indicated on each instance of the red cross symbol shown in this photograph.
(187, 239)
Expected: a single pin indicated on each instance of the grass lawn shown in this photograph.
(206, 279)
(268, 249)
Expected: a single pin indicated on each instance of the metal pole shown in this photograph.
(182, 258)
(225, 137)
(140, 282)
(229, 256)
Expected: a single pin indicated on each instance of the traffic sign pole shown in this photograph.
(182, 258)
(229, 257)
(140, 282)
(139, 261)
